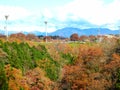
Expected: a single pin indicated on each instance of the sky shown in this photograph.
(30, 15)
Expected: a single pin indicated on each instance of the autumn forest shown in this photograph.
(28, 62)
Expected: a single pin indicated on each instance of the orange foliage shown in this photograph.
(114, 64)
(74, 77)
(53, 51)
(37, 81)
(88, 53)
(15, 78)
(98, 82)
(33, 80)
(64, 48)
(32, 37)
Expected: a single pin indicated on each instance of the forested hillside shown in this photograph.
(60, 66)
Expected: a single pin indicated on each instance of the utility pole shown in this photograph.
(46, 29)
(6, 30)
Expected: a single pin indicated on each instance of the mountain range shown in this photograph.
(68, 31)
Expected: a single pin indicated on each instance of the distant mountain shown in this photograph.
(68, 31)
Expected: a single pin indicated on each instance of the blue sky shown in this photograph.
(29, 15)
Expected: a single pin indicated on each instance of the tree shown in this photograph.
(32, 37)
(48, 38)
(16, 81)
(92, 38)
(74, 37)
(83, 38)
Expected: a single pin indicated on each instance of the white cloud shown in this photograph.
(80, 9)
(94, 11)
(47, 13)
(14, 13)
(28, 28)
